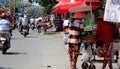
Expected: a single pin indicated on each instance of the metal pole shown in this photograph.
(91, 22)
(91, 13)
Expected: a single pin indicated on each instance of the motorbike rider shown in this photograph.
(20, 21)
(5, 27)
(25, 22)
(32, 20)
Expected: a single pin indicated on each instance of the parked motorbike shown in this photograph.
(4, 43)
(58, 25)
(42, 27)
(25, 30)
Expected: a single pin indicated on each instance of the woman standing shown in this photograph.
(104, 38)
(76, 29)
(66, 23)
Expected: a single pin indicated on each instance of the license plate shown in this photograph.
(24, 30)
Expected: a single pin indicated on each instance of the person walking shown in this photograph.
(66, 23)
(74, 41)
(104, 39)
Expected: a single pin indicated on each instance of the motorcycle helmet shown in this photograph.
(84, 65)
(32, 16)
(3, 15)
(21, 14)
(25, 16)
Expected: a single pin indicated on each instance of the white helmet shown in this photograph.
(25, 16)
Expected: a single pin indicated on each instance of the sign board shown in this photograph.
(116, 45)
(112, 11)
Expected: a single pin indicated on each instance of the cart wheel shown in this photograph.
(117, 53)
(84, 65)
(92, 66)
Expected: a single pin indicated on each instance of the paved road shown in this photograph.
(38, 52)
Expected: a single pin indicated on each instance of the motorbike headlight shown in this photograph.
(2, 42)
(2, 39)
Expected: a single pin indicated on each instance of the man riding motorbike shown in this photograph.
(5, 30)
(20, 21)
(32, 22)
(25, 24)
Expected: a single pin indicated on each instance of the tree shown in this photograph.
(30, 1)
(30, 9)
(48, 4)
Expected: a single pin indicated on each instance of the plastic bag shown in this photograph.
(82, 48)
(66, 38)
(86, 53)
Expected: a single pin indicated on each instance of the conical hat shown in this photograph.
(79, 15)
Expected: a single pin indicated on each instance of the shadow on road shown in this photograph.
(16, 38)
(14, 53)
(31, 37)
(4, 68)
(51, 32)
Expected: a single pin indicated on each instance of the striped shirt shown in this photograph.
(75, 29)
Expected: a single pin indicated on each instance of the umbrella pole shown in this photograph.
(92, 21)
(91, 15)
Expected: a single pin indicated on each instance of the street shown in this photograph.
(38, 52)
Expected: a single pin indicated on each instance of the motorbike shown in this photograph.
(25, 30)
(58, 25)
(4, 43)
(42, 28)
(32, 26)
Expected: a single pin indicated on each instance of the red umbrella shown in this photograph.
(63, 0)
(62, 7)
(68, 0)
(59, 11)
(87, 6)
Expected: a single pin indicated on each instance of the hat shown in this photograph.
(79, 15)
(3, 15)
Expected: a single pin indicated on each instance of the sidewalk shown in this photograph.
(60, 60)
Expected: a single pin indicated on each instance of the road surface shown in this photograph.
(38, 52)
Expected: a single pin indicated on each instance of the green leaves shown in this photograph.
(48, 4)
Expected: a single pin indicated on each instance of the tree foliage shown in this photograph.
(48, 4)
(30, 9)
